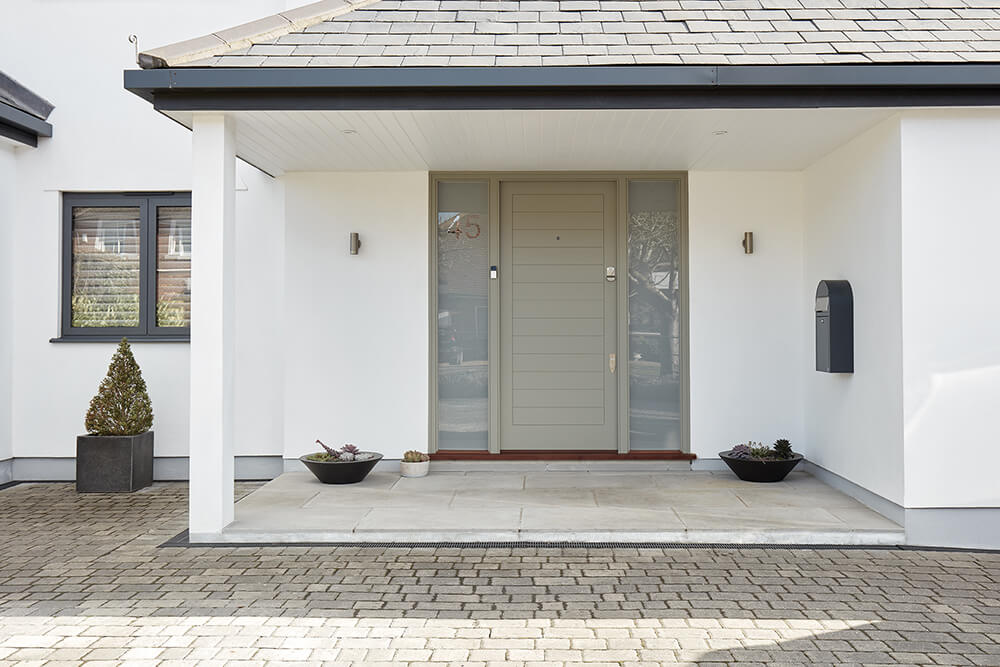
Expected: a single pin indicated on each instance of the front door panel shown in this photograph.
(558, 330)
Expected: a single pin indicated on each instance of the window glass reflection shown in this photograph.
(105, 282)
(463, 315)
(173, 266)
(654, 289)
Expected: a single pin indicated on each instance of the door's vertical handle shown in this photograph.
(611, 362)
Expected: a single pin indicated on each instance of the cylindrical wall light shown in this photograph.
(748, 243)
(355, 243)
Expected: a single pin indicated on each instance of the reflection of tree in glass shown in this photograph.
(173, 313)
(654, 272)
(460, 256)
(105, 290)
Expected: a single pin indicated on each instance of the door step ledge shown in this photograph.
(438, 465)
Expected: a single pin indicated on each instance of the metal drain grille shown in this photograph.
(181, 540)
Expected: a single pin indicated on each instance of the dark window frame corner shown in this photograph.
(147, 329)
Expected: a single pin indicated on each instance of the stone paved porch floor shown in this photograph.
(83, 581)
(557, 506)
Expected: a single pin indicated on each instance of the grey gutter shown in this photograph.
(652, 86)
(21, 126)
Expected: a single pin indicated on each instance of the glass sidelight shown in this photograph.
(654, 315)
(463, 244)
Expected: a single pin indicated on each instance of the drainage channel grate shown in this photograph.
(181, 540)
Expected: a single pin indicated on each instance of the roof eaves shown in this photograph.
(23, 99)
(21, 126)
(247, 34)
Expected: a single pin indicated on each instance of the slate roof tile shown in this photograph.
(390, 33)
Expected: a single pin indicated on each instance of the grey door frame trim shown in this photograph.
(494, 178)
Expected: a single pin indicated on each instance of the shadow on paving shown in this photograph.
(881, 643)
(65, 554)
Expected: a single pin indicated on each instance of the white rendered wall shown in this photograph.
(746, 315)
(951, 307)
(853, 422)
(356, 346)
(107, 139)
(8, 190)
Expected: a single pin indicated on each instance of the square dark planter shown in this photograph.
(114, 463)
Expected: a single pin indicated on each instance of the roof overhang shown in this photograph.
(567, 87)
(22, 127)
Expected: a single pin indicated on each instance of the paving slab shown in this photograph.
(575, 520)
(557, 506)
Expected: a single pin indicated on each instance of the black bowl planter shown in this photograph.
(114, 463)
(751, 470)
(341, 472)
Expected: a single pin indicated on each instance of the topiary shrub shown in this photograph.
(121, 406)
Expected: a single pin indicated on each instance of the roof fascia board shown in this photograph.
(19, 136)
(928, 74)
(593, 87)
(21, 126)
(652, 75)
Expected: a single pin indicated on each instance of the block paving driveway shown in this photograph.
(83, 579)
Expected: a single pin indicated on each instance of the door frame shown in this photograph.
(494, 178)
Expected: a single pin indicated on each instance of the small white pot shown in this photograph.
(414, 469)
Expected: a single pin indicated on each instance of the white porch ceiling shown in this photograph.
(516, 140)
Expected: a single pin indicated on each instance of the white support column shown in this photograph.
(213, 229)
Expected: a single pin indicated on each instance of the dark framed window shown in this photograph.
(126, 266)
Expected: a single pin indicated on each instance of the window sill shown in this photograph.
(117, 339)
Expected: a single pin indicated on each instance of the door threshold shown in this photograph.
(560, 455)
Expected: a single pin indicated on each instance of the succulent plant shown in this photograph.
(414, 456)
(740, 452)
(346, 454)
(760, 451)
(332, 453)
(783, 449)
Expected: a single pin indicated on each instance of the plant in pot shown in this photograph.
(414, 464)
(755, 462)
(349, 465)
(117, 454)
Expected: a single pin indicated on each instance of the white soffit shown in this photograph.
(642, 139)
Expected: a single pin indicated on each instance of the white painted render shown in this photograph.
(545, 139)
(107, 139)
(333, 346)
(356, 337)
(8, 187)
(950, 318)
(746, 320)
(853, 422)
(213, 318)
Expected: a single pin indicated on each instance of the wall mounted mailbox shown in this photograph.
(834, 327)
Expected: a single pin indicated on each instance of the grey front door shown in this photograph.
(558, 329)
